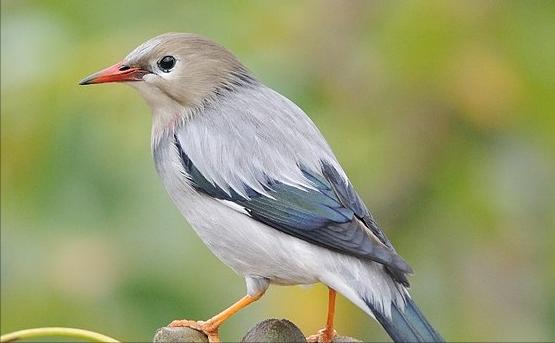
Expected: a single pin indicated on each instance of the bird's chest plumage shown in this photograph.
(245, 245)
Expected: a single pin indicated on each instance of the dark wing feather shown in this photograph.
(349, 198)
(331, 215)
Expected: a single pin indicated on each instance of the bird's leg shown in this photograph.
(210, 327)
(329, 332)
(326, 334)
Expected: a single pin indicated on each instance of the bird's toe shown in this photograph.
(210, 330)
(325, 335)
(184, 323)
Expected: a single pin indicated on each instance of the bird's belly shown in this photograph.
(247, 246)
(253, 249)
(250, 247)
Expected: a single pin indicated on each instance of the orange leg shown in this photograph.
(329, 331)
(327, 334)
(210, 327)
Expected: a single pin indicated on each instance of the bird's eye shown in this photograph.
(166, 63)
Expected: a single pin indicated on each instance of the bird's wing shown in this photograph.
(329, 213)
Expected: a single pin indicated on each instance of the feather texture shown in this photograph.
(407, 323)
(309, 198)
(261, 187)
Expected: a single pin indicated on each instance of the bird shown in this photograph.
(257, 181)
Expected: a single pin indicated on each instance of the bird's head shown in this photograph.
(176, 67)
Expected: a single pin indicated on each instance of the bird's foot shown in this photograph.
(208, 328)
(325, 335)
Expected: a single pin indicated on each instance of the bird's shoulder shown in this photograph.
(250, 135)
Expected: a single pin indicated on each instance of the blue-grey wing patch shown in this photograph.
(330, 214)
(349, 198)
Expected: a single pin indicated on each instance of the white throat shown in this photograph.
(167, 114)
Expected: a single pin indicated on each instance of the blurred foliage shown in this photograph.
(441, 112)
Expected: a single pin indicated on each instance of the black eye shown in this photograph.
(166, 63)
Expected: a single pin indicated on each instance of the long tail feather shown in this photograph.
(408, 324)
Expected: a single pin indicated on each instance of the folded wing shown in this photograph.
(329, 213)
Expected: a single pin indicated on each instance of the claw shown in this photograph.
(324, 335)
(183, 323)
(207, 328)
(210, 327)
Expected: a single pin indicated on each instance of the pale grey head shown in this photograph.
(183, 68)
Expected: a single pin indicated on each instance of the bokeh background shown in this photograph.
(441, 112)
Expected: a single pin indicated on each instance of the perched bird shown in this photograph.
(261, 187)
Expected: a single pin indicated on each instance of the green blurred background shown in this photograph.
(442, 113)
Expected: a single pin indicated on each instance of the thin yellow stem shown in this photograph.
(54, 331)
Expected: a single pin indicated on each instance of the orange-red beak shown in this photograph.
(117, 73)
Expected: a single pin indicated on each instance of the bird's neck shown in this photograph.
(167, 114)
(165, 122)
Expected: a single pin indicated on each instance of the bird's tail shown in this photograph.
(408, 324)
